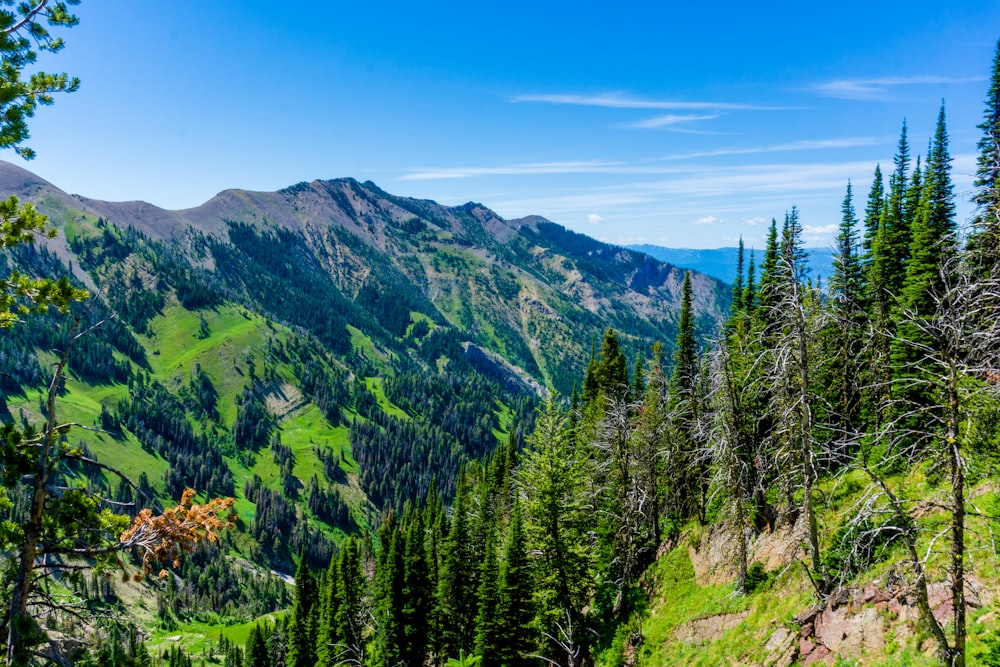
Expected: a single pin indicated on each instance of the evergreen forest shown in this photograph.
(332, 426)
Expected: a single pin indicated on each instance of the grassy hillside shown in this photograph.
(689, 611)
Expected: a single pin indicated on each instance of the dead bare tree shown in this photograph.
(955, 372)
(795, 323)
(741, 468)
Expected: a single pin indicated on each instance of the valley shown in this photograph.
(318, 424)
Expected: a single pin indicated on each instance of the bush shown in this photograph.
(856, 546)
(757, 578)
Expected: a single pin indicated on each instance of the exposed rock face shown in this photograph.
(706, 629)
(714, 560)
(854, 622)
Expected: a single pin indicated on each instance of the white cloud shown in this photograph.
(618, 100)
(804, 145)
(878, 88)
(594, 219)
(618, 167)
(691, 189)
(577, 167)
(753, 222)
(816, 235)
(668, 120)
(707, 220)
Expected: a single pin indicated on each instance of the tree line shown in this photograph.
(892, 366)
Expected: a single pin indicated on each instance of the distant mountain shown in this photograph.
(721, 262)
(325, 351)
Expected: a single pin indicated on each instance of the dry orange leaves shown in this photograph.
(163, 538)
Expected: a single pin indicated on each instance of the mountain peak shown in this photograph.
(19, 181)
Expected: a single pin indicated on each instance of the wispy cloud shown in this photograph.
(669, 120)
(754, 221)
(574, 167)
(773, 186)
(804, 145)
(618, 100)
(707, 220)
(879, 88)
(618, 167)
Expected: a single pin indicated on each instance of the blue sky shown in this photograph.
(634, 122)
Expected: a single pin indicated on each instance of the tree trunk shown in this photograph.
(18, 619)
(957, 522)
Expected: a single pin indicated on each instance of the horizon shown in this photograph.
(672, 126)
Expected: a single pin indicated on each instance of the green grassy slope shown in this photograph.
(690, 613)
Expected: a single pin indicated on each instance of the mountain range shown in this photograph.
(721, 262)
(326, 351)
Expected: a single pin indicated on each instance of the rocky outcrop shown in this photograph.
(709, 628)
(853, 622)
(714, 555)
(856, 622)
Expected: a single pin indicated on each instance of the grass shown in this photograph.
(376, 386)
(504, 418)
(81, 404)
(174, 348)
(196, 637)
(677, 599)
(364, 346)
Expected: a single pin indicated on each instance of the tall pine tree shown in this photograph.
(985, 241)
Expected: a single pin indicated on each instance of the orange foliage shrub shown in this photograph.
(163, 538)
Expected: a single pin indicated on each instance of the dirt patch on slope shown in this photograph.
(282, 399)
(708, 629)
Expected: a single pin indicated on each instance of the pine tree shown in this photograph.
(558, 518)
(885, 278)
(793, 357)
(686, 347)
(389, 593)
(488, 619)
(933, 243)
(437, 531)
(515, 611)
(638, 377)
(738, 286)
(845, 283)
(327, 637)
(650, 436)
(302, 634)
(844, 339)
(612, 367)
(891, 247)
(934, 226)
(687, 496)
(591, 379)
(768, 273)
(793, 265)
(457, 587)
(349, 621)
(750, 291)
(873, 216)
(985, 241)
(417, 595)
(913, 194)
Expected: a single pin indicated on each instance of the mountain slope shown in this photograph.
(527, 289)
(327, 350)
